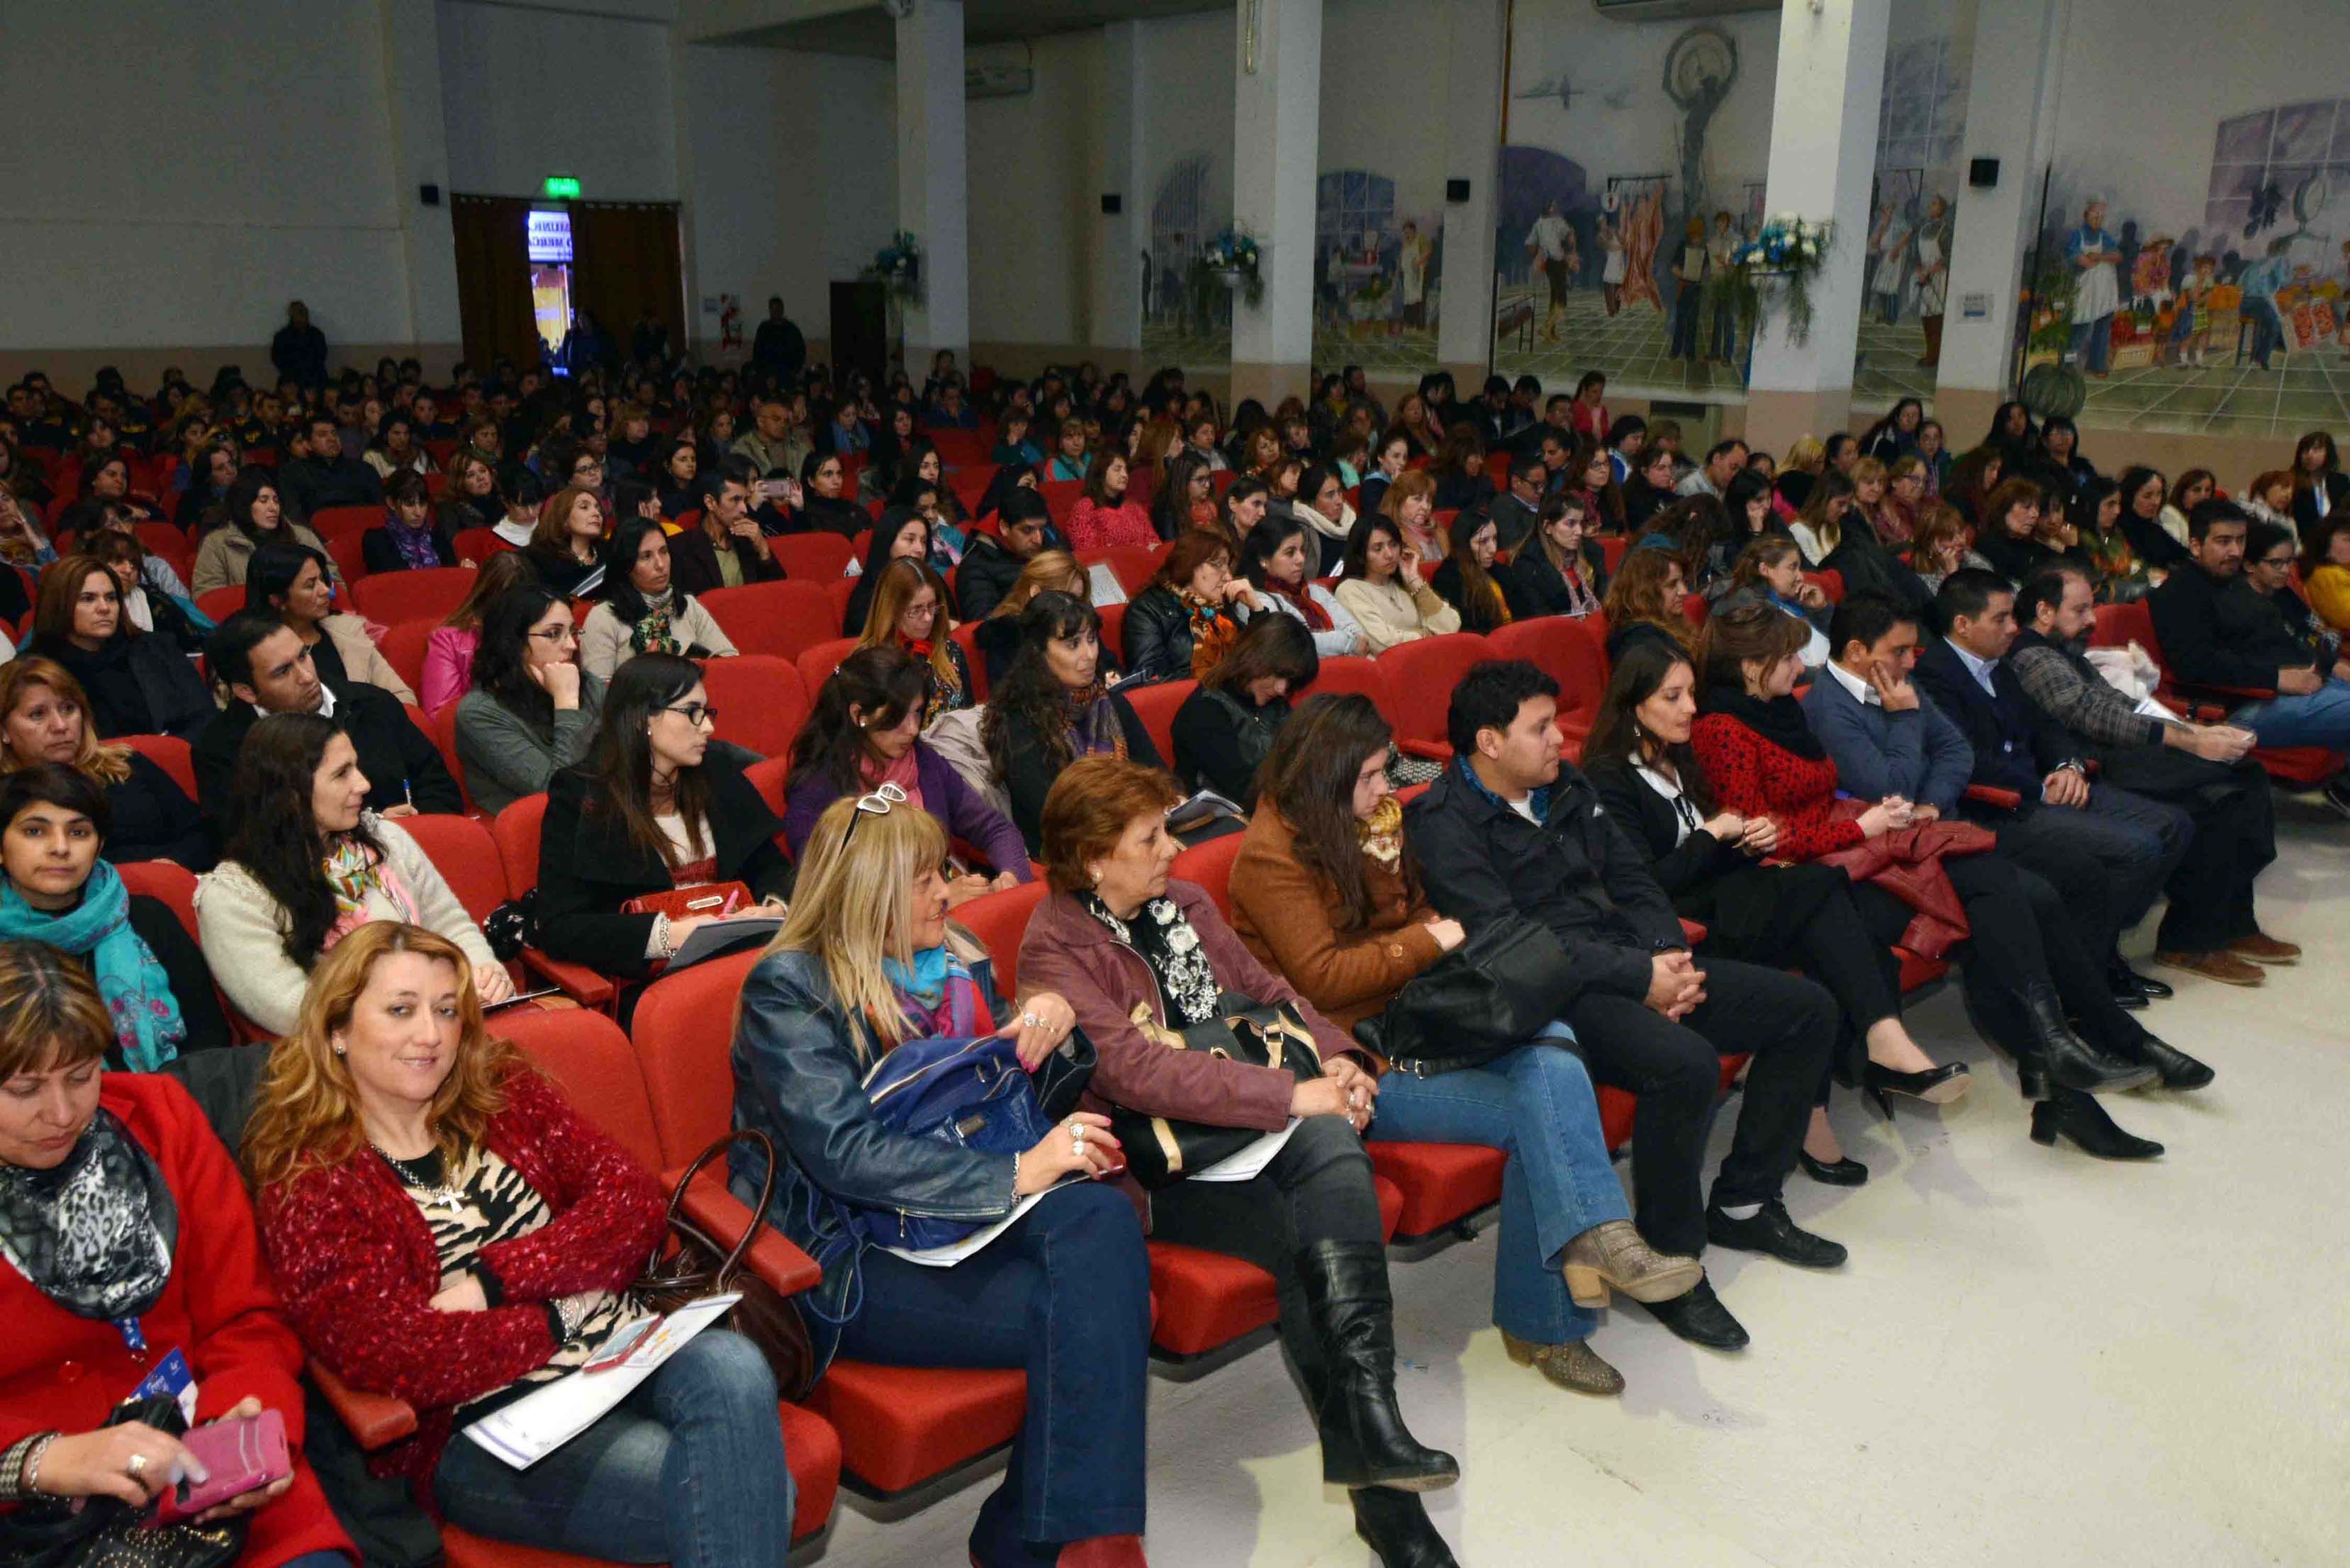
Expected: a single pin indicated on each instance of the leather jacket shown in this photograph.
(1158, 635)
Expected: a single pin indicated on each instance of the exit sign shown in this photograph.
(562, 188)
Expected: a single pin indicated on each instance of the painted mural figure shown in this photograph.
(1893, 265)
(1688, 268)
(1642, 232)
(2097, 291)
(1719, 249)
(1611, 271)
(1411, 266)
(2191, 331)
(1933, 276)
(1551, 244)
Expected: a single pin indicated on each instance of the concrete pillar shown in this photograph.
(420, 156)
(2011, 116)
(933, 200)
(1114, 313)
(1276, 139)
(1473, 139)
(1823, 162)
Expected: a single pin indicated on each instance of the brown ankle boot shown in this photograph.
(1615, 1255)
(1575, 1366)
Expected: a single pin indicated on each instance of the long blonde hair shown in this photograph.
(853, 906)
(894, 587)
(306, 1115)
(1047, 570)
(100, 763)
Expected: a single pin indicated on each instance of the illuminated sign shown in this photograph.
(562, 188)
(550, 237)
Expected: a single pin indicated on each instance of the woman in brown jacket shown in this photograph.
(1325, 891)
(1137, 956)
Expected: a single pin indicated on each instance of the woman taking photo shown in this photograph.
(1054, 706)
(640, 613)
(1178, 627)
(448, 650)
(1275, 560)
(44, 718)
(1467, 579)
(1380, 585)
(84, 1152)
(652, 810)
(1225, 730)
(566, 545)
(136, 683)
(1105, 515)
(901, 535)
(909, 615)
(865, 735)
(290, 582)
(447, 1230)
(865, 963)
(410, 538)
(1326, 891)
(1138, 956)
(252, 514)
(532, 710)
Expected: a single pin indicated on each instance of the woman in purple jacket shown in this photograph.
(866, 735)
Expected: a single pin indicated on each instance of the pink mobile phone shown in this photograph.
(238, 1457)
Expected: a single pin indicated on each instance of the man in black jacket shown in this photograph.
(316, 474)
(299, 349)
(1510, 830)
(993, 564)
(267, 670)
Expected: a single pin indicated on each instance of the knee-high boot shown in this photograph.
(1363, 1440)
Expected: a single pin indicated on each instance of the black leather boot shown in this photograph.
(2079, 1117)
(1397, 1526)
(2178, 1070)
(2070, 1061)
(1363, 1440)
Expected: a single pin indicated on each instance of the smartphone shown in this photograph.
(239, 1457)
(774, 489)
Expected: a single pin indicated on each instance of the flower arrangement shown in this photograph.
(1789, 247)
(899, 264)
(1232, 258)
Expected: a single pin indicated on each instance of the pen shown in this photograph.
(407, 796)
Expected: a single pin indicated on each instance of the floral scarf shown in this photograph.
(354, 871)
(1094, 729)
(1381, 833)
(1212, 632)
(1164, 939)
(417, 550)
(652, 633)
(941, 1000)
(944, 681)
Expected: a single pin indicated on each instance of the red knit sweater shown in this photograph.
(357, 1264)
(1755, 777)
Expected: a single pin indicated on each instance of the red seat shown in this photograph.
(1133, 564)
(429, 593)
(816, 663)
(175, 886)
(1209, 867)
(1113, 630)
(218, 604)
(1830, 583)
(2302, 767)
(1442, 1183)
(1612, 547)
(819, 558)
(999, 920)
(168, 752)
(1420, 677)
(1204, 1301)
(443, 728)
(402, 646)
(478, 545)
(516, 831)
(767, 777)
(967, 634)
(760, 701)
(1154, 705)
(1349, 675)
(162, 539)
(348, 552)
(782, 619)
(1561, 647)
(329, 523)
(840, 593)
(970, 484)
(466, 853)
(1061, 495)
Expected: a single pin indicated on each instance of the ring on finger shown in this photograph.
(136, 1466)
(1030, 1020)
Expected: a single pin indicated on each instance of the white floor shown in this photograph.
(2032, 1358)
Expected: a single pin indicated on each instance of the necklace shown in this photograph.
(420, 1178)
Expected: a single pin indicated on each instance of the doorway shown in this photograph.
(527, 268)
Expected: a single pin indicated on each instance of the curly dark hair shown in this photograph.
(1030, 691)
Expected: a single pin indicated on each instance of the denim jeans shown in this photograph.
(1066, 1294)
(687, 1470)
(1537, 1104)
(2320, 718)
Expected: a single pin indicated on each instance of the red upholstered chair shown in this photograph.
(818, 559)
(164, 540)
(1113, 629)
(760, 701)
(1420, 677)
(466, 853)
(402, 646)
(1060, 496)
(1442, 1183)
(840, 593)
(331, 523)
(175, 886)
(767, 778)
(782, 619)
(516, 832)
(970, 484)
(999, 920)
(478, 545)
(2302, 767)
(348, 552)
(967, 634)
(1350, 674)
(1830, 583)
(219, 604)
(443, 728)
(427, 595)
(1209, 867)
(1154, 705)
(1133, 564)
(816, 663)
(1563, 648)
(168, 752)
(1612, 549)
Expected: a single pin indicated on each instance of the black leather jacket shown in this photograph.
(1158, 635)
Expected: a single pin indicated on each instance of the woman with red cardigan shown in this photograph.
(1106, 514)
(129, 1237)
(448, 1230)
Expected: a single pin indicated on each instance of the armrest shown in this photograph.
(723, 1217)
(375, 1419)
(1991, 794)
(2241, 693)
(580, 983)
(1694, 931)
(1435, 751)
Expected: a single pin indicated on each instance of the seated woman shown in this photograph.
(822, 502)
(1651, 489)
(1710, 863)
(445, 1229)
(652, 809)
(1327, 893)
(137, 683)
(290, 582)
(2026, 531)
(147, 606)
(54, 824)
(410, 538)
(2095, 511)
(1551, 574)
(532, 711)
(1467, 579)
(305, 865)
(124, 1209)
(1818, 528)
(448, 650)
(677, 477)
(1381, 588)
(1180, 626)
(1105, 515)
(901, 536)
(934, 502)
(1460, 472)
(1276, 558)
(1771, 570)
(1410, 505)
(1046, 571)
(865, 734)
(2156, 531)
(472, 500)
(1054, 706)
(1186, 498)
(1138, 956)
(865, 963)
(395, 451)
(640, 613)
(1650, 597)
(1225, 729)
(1942, 543)
(252, 514)
(2324, 572)
(909, 615)
(567, 543)
(44, 718)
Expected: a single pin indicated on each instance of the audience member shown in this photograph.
(909, 613)
(317, 474)
(641, 612)
(726, 548)
(1467, 579)
(137, 683)
(1771, 570)
(1551, 571)
(1226, 728)
(903, 534)
(1276, 559)
(2320, 488)
(251, 513)
(290, 581)
(1381, 584)
(45, 719)
(1182, 625)
(1054, 706)
(530, 710)
(1105, 515)
(448, 648)
(995, 561)
(1650, 597)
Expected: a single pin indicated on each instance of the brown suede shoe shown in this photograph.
(2263, 948)
(1575, 1367)
(1616, 1254)
(2224, 967)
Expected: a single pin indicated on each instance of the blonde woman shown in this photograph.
(910, 614)
(1410, 505)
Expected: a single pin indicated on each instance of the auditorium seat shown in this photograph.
(1154, 705)
(819, 558)
(2298, 767)
(516, 831)
(1560, 647)
(329, 523)
(816, 663)
(429, 593)
(1420, 679)
(757, 701)
(167, 752)
(782, 619)
(402, 646)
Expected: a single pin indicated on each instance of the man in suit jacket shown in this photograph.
(2108, 851)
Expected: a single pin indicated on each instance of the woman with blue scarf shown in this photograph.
(54, 889)
(864, 965)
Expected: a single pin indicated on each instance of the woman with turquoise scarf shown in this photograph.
(54, 889)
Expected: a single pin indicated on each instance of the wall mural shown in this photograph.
(1921, 131)
(1377, 275)
(1182, 325)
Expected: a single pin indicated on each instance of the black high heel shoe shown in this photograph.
(2069, 1113)
(1844, 1172)
(1934, 1086)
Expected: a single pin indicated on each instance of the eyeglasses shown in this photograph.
(877, 804)
(558, 634)
(695, 714)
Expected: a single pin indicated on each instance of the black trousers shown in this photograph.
(2023, 933)
(1841, 947)
(2108, 858)
(1784, 1021)
(2234, 815)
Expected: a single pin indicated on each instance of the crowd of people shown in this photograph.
(1852, 721)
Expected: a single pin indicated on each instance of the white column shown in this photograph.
(1464, 329)
(932, 193)
(1115, 307)
(1276, 138)
(1823, 162)
(420, 156)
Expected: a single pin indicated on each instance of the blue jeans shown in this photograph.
(2268, 328)
(2322, 718)
(687, 1470)
(1065, 1293)
(2092, 343)
(1537, 1104)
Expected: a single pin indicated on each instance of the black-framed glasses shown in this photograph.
(557, 634)
(881, 803)
(695, 714)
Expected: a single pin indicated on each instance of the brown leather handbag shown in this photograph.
(698, 1266)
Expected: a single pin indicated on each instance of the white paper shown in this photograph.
(1247, 1162)
(1103, 586)
(954, 1252)
(543, 1420)
(723, 936)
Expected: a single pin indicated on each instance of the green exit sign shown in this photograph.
(562, 188)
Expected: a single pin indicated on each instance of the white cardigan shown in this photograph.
(1344, 628)
(1390, 616)
(604, 640)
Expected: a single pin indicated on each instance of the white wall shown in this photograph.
(1032, 204)
(530, 93)
(1187, 108)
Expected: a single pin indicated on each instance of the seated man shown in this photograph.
(2218, 631)
(2210, 926)
(2108, 851)
(1511, 829)
(266, 668)
(316, 473)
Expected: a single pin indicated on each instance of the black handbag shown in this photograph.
(1163, 1150)
(105, 1532)
(1482, 1000)
(1061, 1076)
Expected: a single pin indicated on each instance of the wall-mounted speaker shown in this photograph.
(428, 194)
(1112, 203)
(1456, 190)
(1982, 173)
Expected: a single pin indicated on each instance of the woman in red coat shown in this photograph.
(446, 1229)
(129, 1236)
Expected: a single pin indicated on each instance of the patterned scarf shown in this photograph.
(147, 1023)
(1297, 593)
(941, 1000)
(416, 547)
(906, 772)
(651, 634)
(354, 871)
(945, 683)
(1381, 833)
(95, 1234)
(1212, 632)
(1165, 940)
(1094, 728)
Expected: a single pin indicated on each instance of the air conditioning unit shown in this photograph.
(1675, 10)
(995, 81)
